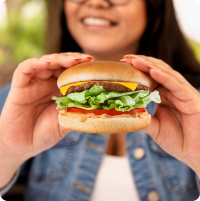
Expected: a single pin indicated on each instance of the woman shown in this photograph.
(66, 164)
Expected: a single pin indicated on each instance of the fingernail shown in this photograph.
(123, 60)
(87, 56)
(129, 56)
(134, 57)
(90, 58)
(44, 60)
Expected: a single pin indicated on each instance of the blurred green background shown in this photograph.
(23, 33)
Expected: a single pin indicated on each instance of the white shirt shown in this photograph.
(115, 181)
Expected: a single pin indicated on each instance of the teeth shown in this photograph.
(96, 21)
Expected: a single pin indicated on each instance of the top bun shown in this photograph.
(104, 71)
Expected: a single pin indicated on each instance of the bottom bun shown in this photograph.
(105, 125)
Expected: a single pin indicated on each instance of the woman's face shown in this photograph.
(102, 29)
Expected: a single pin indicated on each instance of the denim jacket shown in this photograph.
(67, 171)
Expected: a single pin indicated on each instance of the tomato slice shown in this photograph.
(108, 112)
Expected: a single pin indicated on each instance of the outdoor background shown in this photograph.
(23, 31)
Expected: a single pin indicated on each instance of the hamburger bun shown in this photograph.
(105, 125)
(106, 71)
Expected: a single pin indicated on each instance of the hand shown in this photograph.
(29, 120)
(175, 127)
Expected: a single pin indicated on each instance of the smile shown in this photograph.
(91, 21)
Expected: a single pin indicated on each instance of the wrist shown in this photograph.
(9, 165)
(10, 159)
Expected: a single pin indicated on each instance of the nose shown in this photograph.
(98, 3)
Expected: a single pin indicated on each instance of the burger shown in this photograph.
(104, 97)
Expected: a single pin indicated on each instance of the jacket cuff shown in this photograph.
(5, 189)
(198, 183)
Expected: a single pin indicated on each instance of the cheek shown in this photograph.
(135, 20)
(70, 13)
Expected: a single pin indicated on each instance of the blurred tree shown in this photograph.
(196, 48)
(22, 36)
(15, 5)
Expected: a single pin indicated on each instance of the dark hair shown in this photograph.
(162, 39)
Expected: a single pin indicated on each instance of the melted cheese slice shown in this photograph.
(129, 85)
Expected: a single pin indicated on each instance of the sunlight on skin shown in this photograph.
(1, 1)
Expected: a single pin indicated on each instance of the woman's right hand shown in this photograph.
(29, 120)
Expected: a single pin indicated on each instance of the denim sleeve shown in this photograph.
(197, 178)
(3, 95)
(198, 183)
(10, 184)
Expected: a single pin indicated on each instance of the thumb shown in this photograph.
(153, 128)
(64, 132)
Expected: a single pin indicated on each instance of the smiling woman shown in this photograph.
(160, 162)
(144, 29)
(93, 27)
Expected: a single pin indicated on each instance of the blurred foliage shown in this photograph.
(1, 57)
(23, 35)
(196, 47)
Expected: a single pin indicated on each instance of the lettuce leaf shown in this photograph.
(98, 98)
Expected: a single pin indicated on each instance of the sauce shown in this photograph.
(83, 117)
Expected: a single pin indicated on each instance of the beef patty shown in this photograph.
(106, 85)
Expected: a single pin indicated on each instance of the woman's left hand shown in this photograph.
(175, 127)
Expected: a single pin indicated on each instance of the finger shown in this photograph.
(167, 98)
(42, 67)
(66, 60)
(146, 58)
(57, 72)
(145, 64)
(43, 74)
(140, 63)
(58, 61)
(25, 70)
(154, 85)
(153, 128)
(181, 90)
(155, 60)
(159, 125)
(172, 80)
(78, 54)
(126, 60)
(187, 104)
(61, 60)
